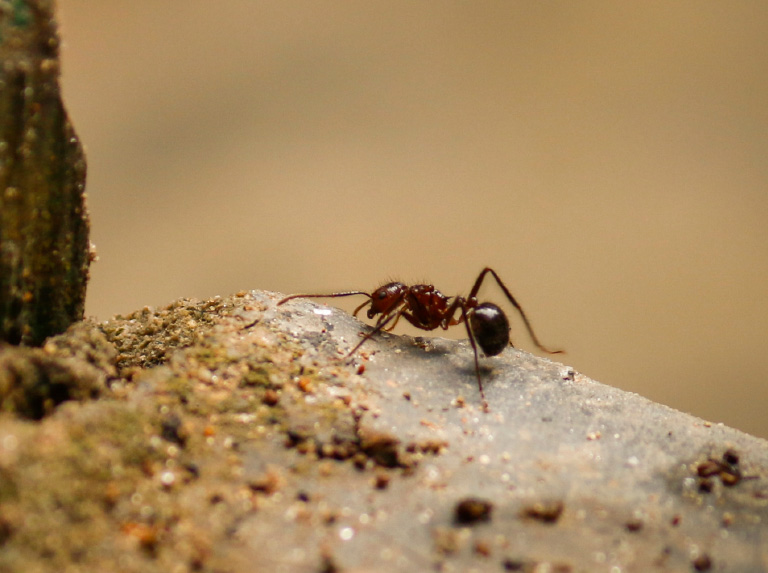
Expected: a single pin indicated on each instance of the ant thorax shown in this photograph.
(427, 307)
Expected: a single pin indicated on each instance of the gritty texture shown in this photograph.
(232, 435)
(44, 248)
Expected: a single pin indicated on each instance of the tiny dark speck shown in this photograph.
(702, 563)
(473, 510)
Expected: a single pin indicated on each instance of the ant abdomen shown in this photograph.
(490, 328)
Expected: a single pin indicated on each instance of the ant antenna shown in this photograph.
(332, 295)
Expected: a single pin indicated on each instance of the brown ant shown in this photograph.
(427, 308)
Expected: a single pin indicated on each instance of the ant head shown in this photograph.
(490, 328)
(385, 298)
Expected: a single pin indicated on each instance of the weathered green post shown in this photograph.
(44, 247)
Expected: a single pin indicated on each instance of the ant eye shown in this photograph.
(382, 294)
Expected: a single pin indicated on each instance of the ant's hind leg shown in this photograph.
(479, 281)
(472, 343)
(514, 302)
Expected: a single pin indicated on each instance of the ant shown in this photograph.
(427, 308)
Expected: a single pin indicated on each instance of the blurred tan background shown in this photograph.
(608, 159)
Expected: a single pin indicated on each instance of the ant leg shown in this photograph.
(477, 360)
(394, 315)
(476, 288)
(394, 324)
(332, 295)
(448, 317)
(479, 281)
(366, 303)
(359, 308)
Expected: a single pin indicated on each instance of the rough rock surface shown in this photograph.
(231, 435)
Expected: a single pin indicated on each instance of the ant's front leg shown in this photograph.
(380, 325)
(362, 306)
(397, 319)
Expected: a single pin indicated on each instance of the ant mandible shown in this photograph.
(427, 308)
